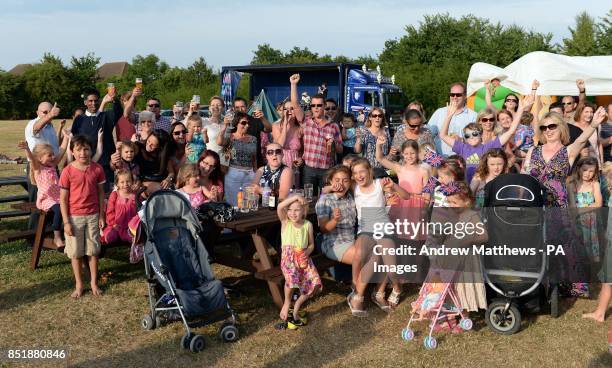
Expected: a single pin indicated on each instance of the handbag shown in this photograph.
(216, 211)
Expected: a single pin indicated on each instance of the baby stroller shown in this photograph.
(432, 305)
(514, 214)
(180, 280)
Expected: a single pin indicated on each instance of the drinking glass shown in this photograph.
(110, 88)
(139, 83)
(308, 189)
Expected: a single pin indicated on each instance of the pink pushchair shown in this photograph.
(432, 305)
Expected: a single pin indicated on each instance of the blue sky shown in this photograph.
(226, 33)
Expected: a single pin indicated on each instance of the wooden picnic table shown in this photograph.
(258, 224)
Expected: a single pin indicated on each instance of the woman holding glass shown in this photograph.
(275, 174)
(213, 126)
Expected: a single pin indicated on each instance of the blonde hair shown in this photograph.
(187, 171)
(123, 172)
(369, 121)
(193, 119)
(554, 118)
(39, 150)
(304, 206)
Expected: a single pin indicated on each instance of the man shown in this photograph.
(462, 117)
(40, 129)
(606, 135)
(320, 138)
(90, 123)
(331, 110)
(569, 102)
(257, 124)
(161, 122)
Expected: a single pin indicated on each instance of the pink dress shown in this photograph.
(196, 198)
(47, 182)
(411, 180)
(292, 147)
(119, 211)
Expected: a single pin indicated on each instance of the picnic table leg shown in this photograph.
(261, 245)
(39, 239)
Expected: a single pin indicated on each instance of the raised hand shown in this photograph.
(526, 102)
(381, 140)
(580, 84)
(22, 145)
(535, 84)
(451, 108)
(54, 110)
(62, 124)
(136, 92)
(599, 117)
(257, 114)
(294, 79)
(107, 98)
(393, 151)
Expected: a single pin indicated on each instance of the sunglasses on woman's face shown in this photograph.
(244, 122)
(472, 134)
(277, 151)
(512, 100)
(487, 120)
(544, 128)
(179, 132)
(374, 116)
(413, 126)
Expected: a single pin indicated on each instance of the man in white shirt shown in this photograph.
(40, 129)
(462, 117)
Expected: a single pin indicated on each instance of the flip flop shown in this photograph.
(354, 311)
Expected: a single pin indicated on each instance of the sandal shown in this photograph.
(354, 311)
(294, 324)
(376, 299)
(394, 299)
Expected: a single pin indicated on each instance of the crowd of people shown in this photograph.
(114, 153)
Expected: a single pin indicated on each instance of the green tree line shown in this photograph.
(425, 60)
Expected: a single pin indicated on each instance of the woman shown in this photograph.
(240, 150)
(146, 122)
(412, 129)
(288, 133)
(582, 119)
(213, 126)
(504, 117)
(416, 105)
(156, 170)
(178, 145)
(365, 142)
(275, 174)
(487, 120)
(211, 174)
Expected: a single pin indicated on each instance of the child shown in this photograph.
(127, 151)
(297, 237)
(196, 138)
(370, 203)
(585, 192)
(449, 172)
(493, 163)
(349, 159)
(82, 205)
(189, 184)
(523, 138)
(472, 148)
(120, 210)
(44, 167)
(348, 133)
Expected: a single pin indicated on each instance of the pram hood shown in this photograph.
(519, 190)
(166, 204)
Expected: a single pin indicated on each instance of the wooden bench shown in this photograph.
(14, 180)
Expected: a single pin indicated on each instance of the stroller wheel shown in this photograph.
(506, 323)
(466, 324)
(185, 340)
(197, 344)
(148, 323)
(430, 342)
(228, 332)
(554, 301)
(407, 334)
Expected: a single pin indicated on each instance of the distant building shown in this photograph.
(19, 69)
(117, 69)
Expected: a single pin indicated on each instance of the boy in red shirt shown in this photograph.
(82, 205)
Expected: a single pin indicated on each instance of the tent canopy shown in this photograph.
(267, 108)
(557, 74)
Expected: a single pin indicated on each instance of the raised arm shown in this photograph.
(451, 109)
(388, 164)
(62, 150)
(297, 109)
(45, 119)
(221, 139)
(574, 149)
(129, 104)
(516, 120)
(490, 105)
(99, 147)
(279, 131)
(281, 210)
(35, 165)
(581, 92)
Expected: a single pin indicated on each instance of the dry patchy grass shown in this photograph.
(35, 310)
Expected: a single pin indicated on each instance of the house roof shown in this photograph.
(19, 69)
(116, 69)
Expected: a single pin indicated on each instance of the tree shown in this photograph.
(199, 74)
(604, 34)
(50, 81)
(149, 68)
(265, 54)
(582, 41)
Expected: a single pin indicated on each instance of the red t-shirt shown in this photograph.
(82, 187)
(124, 129)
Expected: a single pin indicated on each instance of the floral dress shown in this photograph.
(368, 146)
(587, 225)
(552, 175)
(294, 240)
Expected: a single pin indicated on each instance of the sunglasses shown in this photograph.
(568, 103)
(330, 108)
(413, 126)
(473, 134)
(512, 100)
(44, 112)
(179, 132)
(277, 151)
(455, 94)
(316, 105)
(544, 128)
(153, 105)
(487, 120)
(376, 116)
(244, 122)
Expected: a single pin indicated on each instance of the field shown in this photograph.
(36, 311)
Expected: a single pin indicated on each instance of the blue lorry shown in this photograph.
(353, 86)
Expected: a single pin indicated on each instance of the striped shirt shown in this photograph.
(315, 147)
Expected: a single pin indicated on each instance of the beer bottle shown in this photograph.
(273, 201)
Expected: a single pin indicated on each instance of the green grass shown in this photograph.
(35, 311)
